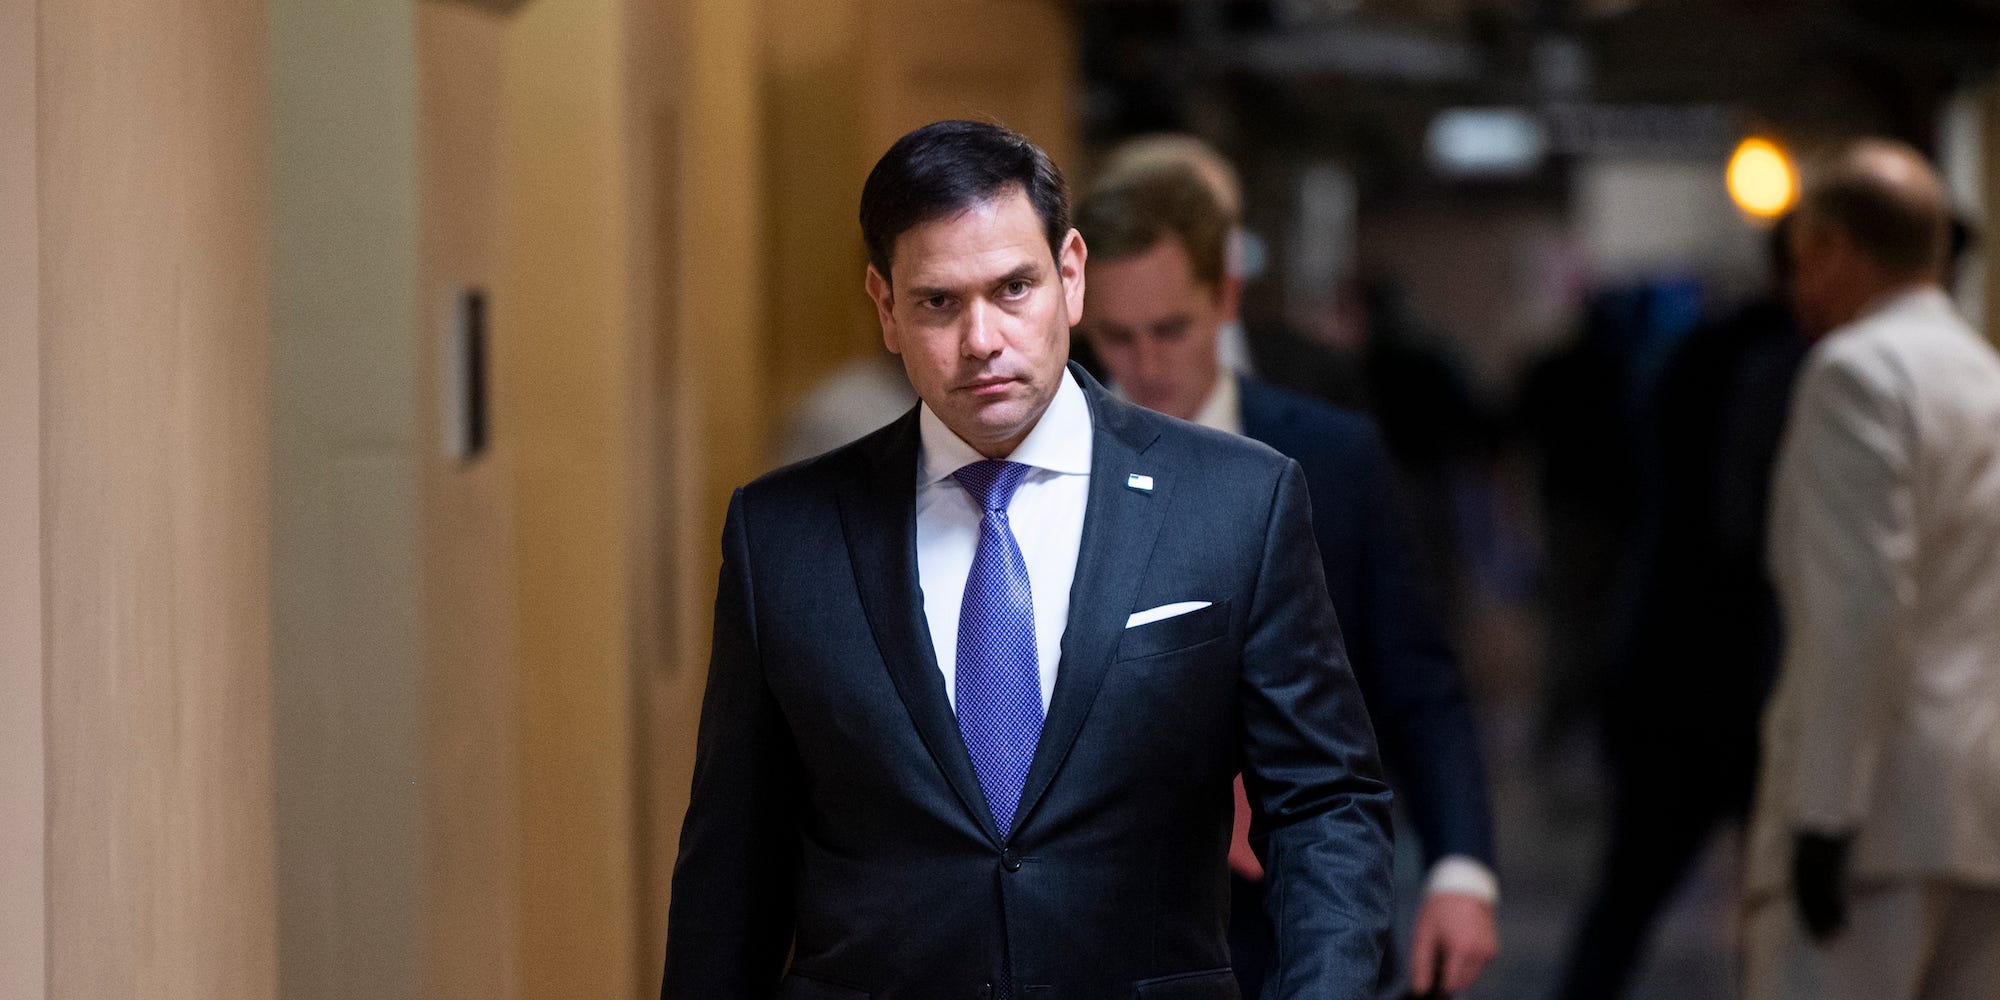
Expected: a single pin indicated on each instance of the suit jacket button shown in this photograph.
(1010, 861)
(985, 991)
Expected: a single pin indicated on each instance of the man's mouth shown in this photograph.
(988, 384)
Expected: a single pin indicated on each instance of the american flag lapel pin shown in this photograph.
(1143, 484)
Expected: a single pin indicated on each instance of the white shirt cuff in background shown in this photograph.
(1459, 873)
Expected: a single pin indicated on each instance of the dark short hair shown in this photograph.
(1136, 210)
(1905, 231)
(947, 167)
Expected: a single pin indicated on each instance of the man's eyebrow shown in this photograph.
(1022, 273)
(1025, 272)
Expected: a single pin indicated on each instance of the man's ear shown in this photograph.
(1069, 265)
(885, 303)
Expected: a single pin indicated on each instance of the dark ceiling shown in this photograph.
(1342, 73)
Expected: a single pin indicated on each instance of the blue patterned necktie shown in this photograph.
(998, 686)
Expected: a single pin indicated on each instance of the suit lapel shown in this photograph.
(878, 514)
(1119, 526)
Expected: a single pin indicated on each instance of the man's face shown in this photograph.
(1808, 281)
(980, 312)
(1823, 277)
(1155, 327)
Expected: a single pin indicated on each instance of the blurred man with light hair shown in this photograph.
(1144, 154)
(1874, 866)
(1161, 292)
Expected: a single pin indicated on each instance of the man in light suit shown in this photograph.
(1874, 866)
(1161, 293)
(980, 680)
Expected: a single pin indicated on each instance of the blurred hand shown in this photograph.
(1454, 939)
(1819, 866)
(1242, 860)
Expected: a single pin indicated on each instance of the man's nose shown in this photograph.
(981, 336)
(1150, 360)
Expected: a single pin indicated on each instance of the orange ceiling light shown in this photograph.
(1761, 178)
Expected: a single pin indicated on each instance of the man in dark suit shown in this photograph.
(1160, 292)
(980, 680)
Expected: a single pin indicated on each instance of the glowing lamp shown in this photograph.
(1761, 179)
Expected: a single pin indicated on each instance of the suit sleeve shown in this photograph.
(1840, 547)
(1318, 804)
(1421, 713)
(729, 924)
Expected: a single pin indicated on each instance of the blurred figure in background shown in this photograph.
(1441, 435)
(1681, 714)
(1161, 293)
(1578, 413)
(852, 400)
(1874, 859)
(1371, 356)
(1141, 155)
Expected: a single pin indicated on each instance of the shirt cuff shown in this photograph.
(1464, 874)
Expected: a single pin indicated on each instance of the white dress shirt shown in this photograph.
(1046, 515)
(1223, 409)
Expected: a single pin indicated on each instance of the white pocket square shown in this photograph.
(1151, 615)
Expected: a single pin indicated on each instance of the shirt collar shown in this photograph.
(1221, 411)
(1060, 441)
(1908, 298)
(1224, 409)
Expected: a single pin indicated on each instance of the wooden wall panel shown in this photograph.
(1010, 61)
(472, 804)
(154, 308)
(565, 397)
(23, 941)
(710, 399)
(816, 159)
(346, 499)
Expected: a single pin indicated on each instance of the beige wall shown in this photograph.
(818, 156)
(472, 796)
(711, 383)
(22, 937)
(346, 500)
(566, 382)
(152, 256)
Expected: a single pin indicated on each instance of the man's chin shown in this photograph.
(1001, 420)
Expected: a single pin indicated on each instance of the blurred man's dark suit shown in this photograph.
(1406, 670)
(836, 815)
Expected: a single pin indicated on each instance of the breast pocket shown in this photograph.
(1179, 632)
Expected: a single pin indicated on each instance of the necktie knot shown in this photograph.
(992, 482)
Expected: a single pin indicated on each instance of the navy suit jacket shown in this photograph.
(1405, 667)
(836, 817)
